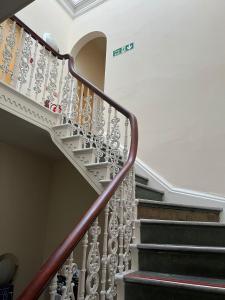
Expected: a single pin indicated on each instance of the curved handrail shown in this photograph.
(58, 257)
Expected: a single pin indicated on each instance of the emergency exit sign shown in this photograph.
(123, 49)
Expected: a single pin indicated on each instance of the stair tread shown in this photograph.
(83, 150)
(174, 279)
(184, 248)
(66, 138)
(62, 126)
(148, 188)
(175, 222)
(97, 164)
(105, 181)
(178, 206)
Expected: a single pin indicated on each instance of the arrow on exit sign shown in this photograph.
(123, 49)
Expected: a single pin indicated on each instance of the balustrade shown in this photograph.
(31, 67)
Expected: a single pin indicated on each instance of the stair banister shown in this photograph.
(87, 83)
(61, 254)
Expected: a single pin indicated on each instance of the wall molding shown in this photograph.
(22, 106)
(167, 186)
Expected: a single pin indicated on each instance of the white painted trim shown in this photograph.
(80, 8)
(144, 169)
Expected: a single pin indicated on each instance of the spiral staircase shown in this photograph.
(142, 247)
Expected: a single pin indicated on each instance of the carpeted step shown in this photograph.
(184, 260)
(150, 209)
(141, 179)
(145, 192)
(158, 286)
(182, 233)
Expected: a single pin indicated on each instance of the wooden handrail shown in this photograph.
(59, 256)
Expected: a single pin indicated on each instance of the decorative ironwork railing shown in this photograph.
(36, 70)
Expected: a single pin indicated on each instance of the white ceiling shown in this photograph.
(78, 7)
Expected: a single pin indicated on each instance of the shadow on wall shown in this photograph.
(89, 54)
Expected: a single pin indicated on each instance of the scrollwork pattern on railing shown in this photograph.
(8, 50)
(52, 84)
(24, 65)
(40, 72)
(86, 119)
(98, 130)
(102, 128)
(93, 264)
(66, 95)
(114, 144)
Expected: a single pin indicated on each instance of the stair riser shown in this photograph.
(64, 131)
(161, 213)
(141, 180)
(100, 173)
(137, 291)
(183, 262)
(142, 193)
(86, 158)
(183, 234)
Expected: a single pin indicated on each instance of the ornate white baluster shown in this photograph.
(66, 96)
(128, 217)
(40, 72)
(121, 228)
(81, 290)
(93, 264)
(98, 127)
(104, 255)
(33, 64)
(8, 51)
(60, 82)
(125, 147)
(108, 154)
(18, 57)
(134, 203)
(24, 65)
(113, 231)
(114, 144)
(86, 119)
(46, 76)
(71, 101)
(68, 271)
(53, 287)
(76, 106)
(52, 84)
(80, 119)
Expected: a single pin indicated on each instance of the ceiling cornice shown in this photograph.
(81, 7)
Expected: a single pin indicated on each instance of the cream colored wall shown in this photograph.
(173, 81)
(24, 184)
(90, 61)
(41, 200)
(48, 16)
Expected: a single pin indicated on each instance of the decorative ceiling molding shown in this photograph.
(76, 8)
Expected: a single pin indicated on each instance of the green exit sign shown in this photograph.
(123, 49)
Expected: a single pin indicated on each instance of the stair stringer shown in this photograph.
(76, 163)
(23, 107)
